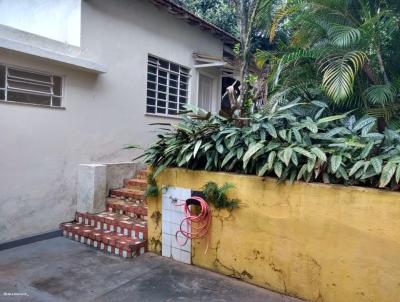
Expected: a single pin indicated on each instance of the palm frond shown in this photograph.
(339, 74)
(381, 94)
(343, 35)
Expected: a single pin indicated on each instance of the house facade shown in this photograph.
(79, 80)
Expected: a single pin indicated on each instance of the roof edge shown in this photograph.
(194, 20)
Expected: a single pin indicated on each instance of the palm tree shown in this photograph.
(344, 52)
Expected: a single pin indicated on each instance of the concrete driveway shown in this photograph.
(64, 270)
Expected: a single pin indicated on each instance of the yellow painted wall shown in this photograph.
(313, 241)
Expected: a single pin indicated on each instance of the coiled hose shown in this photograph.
(197, 225)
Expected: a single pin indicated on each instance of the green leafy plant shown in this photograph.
(298, 141)
(217, 195)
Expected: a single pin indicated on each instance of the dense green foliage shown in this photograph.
(217, 195)
(342, 52)
(292, 142)
(324, 106)
(218, 12)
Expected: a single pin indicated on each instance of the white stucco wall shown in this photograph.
(40, 148)
(55, 19)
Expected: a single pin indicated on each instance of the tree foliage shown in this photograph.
(218, 12)
(343, 52)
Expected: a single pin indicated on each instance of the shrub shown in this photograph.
(293, 142)
(217, 195)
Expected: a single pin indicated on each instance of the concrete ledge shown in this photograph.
(31, 44)
(76, 62)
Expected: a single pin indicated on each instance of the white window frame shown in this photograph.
(6, 88)
(167, 87)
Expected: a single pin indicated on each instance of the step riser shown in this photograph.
(91, 236)
(142, 174)
(127, 195)
(131, 211)
(135, 185)
(124, 228)
(119, 251)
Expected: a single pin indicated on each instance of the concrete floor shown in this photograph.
(64, 270)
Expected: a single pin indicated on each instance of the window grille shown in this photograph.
(19, 85)
(167, 87)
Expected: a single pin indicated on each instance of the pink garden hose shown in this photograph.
(197, 226)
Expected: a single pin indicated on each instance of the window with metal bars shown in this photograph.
(167, 87)
(18, 85)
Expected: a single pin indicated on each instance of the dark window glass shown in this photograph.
(164, 64)
(152, 69)
(28, 98)
(173, 90)
(161, 96)
(161, 104)
(18, 85)
(162, 88)
(184, 70)
(16, 73)
(56, 101)
(173, 83)
(2, 95)
(57, 88)
(2, 76)
(151, 77)
(151, 101)
(160, 110)
(174, 67)
(151, 93)
(151, 109)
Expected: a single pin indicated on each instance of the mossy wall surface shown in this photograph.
(313, 241)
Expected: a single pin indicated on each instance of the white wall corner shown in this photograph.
(95, 181)
(92, 188)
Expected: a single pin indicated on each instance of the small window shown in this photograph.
(30, 87)
(167, 87)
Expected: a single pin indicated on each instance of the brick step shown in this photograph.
(130, 194)
(121, 224)
(142, 174)
(135, 184)
(109, 241)
(131, 209)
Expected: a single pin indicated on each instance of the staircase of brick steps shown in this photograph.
(122, 228)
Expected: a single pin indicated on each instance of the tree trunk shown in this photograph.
(382, 66)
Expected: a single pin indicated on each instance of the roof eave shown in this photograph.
(192, 19)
